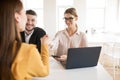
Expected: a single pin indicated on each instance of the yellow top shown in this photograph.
(30, 63)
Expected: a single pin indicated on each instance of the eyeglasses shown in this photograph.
(69, 18)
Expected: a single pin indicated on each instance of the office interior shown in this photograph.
(99, 19)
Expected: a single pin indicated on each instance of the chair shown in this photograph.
(112, 50)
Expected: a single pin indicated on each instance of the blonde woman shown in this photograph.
(70, 37)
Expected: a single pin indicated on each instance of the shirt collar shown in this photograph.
(77, 32)
(29, 34)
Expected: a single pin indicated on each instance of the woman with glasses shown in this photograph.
(19, 61)
(70, 37)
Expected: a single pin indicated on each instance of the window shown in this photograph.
(95, 15)
(61, 7)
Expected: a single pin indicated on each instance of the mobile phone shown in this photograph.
(55, 56)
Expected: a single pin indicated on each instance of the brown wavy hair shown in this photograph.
(8, 36)
(71, 11)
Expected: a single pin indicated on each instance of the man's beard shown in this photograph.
(29, 30)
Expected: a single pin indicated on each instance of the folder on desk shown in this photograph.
(82, 57)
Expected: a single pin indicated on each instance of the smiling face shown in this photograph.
(70, 19)
(31, 22)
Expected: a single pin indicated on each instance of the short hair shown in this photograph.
(31, 12)
(71, 11)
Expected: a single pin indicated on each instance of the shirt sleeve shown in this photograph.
(39, 63)
(53, 45)
(83, 42)
(30, 63)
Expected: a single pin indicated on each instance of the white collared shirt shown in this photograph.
(27, 36)
(62, 41)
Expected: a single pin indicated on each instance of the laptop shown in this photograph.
(82, 57)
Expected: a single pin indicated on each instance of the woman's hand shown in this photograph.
(62, 58)
(44, 39)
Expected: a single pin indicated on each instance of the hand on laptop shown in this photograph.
(62, 58)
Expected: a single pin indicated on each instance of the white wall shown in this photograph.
(80, 5)
(50, 17)
(119, 13)
(111, 17)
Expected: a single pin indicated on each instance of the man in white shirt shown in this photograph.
(32, 34)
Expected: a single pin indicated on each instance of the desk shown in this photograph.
(57, 72)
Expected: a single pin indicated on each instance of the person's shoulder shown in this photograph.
(81, 33)
(26, 51)
(60, 32)
(27, 47)
(38, 29)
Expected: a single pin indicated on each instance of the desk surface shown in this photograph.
(57, 72)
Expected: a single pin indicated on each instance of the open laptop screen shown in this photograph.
(82, 57)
